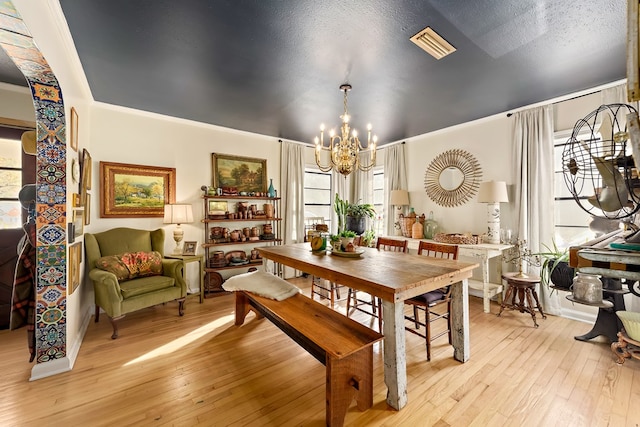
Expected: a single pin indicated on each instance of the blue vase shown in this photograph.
(272, 191)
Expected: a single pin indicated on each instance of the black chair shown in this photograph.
(375, 303)
(430, 300)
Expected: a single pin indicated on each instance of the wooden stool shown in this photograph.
(525, 288)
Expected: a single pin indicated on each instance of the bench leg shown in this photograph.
(243, 307)
(349, 377)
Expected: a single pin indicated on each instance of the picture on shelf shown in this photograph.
(217, 207)
(134, 190)
(190, 248)
(244, 174)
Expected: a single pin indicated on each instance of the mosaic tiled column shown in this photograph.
(51, 185)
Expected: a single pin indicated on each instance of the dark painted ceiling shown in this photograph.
(274, 66)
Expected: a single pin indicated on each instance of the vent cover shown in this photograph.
(432, 43)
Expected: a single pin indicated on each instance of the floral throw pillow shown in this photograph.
(130, 265)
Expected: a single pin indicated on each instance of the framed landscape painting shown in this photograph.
(134, 190)
(242, 173)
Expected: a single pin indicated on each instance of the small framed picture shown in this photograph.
(71, 233)
(87, 209)
(78, 222)
(74, 129)
(190, 248)
(217, 207)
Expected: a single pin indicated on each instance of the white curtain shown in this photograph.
(340, 184)
(534, 189)
(395, 175)
(362, 189)
(292, 192)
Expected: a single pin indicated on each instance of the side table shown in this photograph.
(525, 288)
(193, 258)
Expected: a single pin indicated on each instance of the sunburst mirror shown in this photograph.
(452, 178)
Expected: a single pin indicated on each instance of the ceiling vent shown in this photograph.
(431, 42)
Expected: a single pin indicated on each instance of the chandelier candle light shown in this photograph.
(493, 193)
(345, 149)
(178, 214)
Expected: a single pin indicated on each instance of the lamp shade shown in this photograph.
(178, 214)
(399, 197)
(493, 192)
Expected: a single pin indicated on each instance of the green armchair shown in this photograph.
(118, 297)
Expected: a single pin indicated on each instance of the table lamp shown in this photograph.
(178, 214)
(399, 198)
(493, 193)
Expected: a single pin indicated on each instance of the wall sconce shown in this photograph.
(493, 193)
(178, 214)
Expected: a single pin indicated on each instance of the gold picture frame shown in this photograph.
(85, 176)
(245, 174)
(78, 222)
(87, 210)
(128, 191)
(190, 248)
(75, 259)
(216, 206)
(74, 129)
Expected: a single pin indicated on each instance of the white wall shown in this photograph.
(489, 141)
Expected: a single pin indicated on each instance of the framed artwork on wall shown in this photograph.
(75, 259)
(74, 129)
(87, 210)
(128, 191)
(245, 174)
(85, 175)
(78, 222)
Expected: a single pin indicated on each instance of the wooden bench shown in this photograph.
(343, 345)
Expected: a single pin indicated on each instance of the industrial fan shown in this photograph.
(598, 167)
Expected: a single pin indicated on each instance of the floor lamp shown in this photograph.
(493, 193)
(178, 214)
(398, 198)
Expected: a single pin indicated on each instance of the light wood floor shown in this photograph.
(201, 370)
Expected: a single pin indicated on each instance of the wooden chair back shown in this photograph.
(393, 245)
(437, 250)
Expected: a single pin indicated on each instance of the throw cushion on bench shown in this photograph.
(131, 265)
(261, 283)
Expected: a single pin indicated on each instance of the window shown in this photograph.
(571, 221)
(10, 183)
(378, 202)
(318, 195)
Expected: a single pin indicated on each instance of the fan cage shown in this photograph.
(586, 144)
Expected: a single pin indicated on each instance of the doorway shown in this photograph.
(17, 168)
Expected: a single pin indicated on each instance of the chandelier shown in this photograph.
(344, 149)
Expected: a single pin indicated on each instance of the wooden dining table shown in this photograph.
(393, 277)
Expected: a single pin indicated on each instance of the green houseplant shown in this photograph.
(555, 270)
(357, 215)
(340, 207)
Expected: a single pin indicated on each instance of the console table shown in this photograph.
(482, 253)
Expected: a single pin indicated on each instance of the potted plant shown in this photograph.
(555, 270)
(357, 215)
(340, 207)
(367, 238)
(346, 237)
(335, 242)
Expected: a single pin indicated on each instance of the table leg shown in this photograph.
(486, 301)
(459, 320)
(395, 362)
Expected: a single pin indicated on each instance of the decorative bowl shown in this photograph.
(631, 322)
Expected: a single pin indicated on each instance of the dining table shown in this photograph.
(393, 277)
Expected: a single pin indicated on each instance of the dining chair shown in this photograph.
(429, 301)
(375, 303)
